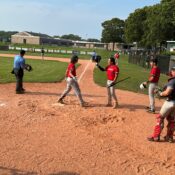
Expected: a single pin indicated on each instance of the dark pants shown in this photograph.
(19, 79)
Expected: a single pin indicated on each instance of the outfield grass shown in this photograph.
(43, 71)
(137, 74)
(53, 71)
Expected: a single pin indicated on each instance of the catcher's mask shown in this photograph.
(96, 58)
(142, 86)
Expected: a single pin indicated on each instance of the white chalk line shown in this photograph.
(82, 74)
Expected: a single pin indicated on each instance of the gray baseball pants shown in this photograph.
(111, 92)
(72, 83)
(151, 89)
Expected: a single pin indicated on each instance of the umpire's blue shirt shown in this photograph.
(19, 62)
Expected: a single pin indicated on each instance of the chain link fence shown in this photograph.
(142, 58)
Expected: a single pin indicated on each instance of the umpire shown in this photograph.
(18, 68)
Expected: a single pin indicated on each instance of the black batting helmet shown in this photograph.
(112, 59)
(74, 59)
(154, 60)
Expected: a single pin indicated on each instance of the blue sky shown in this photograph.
(59, 17)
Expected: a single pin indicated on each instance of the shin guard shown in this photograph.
(170, 127)
(159, 126)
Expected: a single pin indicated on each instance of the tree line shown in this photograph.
(150, 26)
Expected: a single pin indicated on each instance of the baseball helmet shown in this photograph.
(142, 86)
(74, 58)
(154, 60)
(96, 58)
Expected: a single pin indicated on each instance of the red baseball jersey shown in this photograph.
(116, 56)
(111, 71)
(155, 71)
(71, 68)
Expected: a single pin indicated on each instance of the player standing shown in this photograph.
(153, 82)
(112, 71)
(72, 82)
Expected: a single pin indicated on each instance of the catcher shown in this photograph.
(112, 71)
(18, 70)
(167, 111)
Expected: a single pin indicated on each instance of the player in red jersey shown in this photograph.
(116, 56)
(72, 81)
(112, 71)
(153, 82)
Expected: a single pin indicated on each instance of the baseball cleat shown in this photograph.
(168, 139)
(61, 101)
(115, 105)
(151, 111)
(108, 105)
(154, 139)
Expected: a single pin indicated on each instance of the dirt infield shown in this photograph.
(41, 138)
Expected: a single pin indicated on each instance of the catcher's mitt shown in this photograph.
(28, 67)
(157, 92)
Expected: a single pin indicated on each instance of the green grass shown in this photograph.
(137, 74)
(47, 46)
(53, 71)
(43, 71)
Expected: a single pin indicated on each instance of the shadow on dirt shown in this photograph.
(134, 107)
(58, 94)
(13, 171)
(65, 173)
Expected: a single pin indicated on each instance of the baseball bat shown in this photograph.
(113, 84)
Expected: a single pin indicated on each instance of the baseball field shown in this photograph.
(40, 137)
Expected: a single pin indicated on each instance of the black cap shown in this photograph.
(22, 52)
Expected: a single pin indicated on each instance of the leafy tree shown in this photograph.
(6, 35)
(152, 26)
(134, 26)
(160, 24)
(113, 30)
(93, 40)
(56, 36)
(71, 37)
